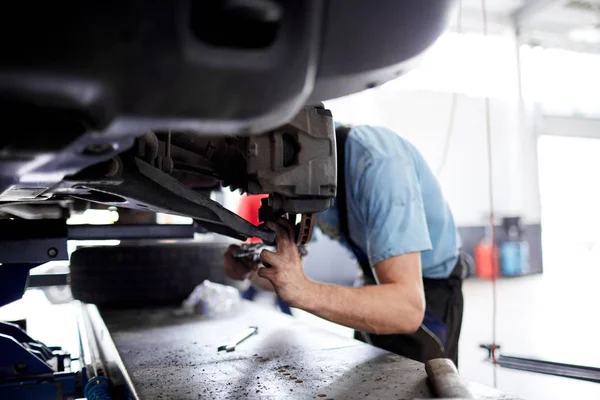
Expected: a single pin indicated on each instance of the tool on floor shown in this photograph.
(251, 330)
(445, 379)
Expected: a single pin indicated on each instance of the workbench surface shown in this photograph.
(173, 357)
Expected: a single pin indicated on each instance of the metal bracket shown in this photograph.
(23, 248)
(23, 241)
(15, 331)
(144, 187)
(18, 360)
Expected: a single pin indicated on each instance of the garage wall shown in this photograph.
(422, 117)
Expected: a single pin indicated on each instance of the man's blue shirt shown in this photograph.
(395, 203)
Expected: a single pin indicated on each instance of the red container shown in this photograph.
(487, 265)
(248, 209)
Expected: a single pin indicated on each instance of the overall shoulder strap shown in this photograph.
(341, 135)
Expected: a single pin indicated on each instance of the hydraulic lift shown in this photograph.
(158, 353)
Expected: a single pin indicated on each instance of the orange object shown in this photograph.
(487, 264)
(248, 209)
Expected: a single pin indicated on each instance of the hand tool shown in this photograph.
(251, 330)
(253, 250)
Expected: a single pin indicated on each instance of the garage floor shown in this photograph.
(549, 316)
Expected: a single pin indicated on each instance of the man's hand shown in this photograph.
(394, 306)
(238, 268)
(283, 268)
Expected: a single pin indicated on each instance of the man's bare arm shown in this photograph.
(396, 305)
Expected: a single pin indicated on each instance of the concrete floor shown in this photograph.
(550, 316)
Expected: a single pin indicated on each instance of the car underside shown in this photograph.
(150, 106)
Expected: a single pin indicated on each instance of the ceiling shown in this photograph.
(571, 24)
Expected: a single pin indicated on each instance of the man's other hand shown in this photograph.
(283, 268)
(238, 268)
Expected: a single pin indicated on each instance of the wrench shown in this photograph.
(253, 250)
(251, 330)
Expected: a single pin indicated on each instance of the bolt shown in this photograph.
(52, 252)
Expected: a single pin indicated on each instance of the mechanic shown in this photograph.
(391, 213)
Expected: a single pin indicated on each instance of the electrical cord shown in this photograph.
(449, 131)
(453, 102)
(488, 130)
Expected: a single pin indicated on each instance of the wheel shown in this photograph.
(141, 274)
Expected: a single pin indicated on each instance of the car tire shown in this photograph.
(142, 274)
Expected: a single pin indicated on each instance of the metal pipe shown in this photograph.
(445, 379)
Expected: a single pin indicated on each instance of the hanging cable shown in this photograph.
(453, 101)
(488, 130)
(449, 131)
